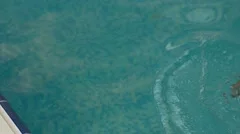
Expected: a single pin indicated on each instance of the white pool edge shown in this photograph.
(7, 125)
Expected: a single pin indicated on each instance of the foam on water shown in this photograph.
(172, 99)
(157, 91)
(162, 106)
(203, 71)
(176, 113)
(207, 22)
(169, 46)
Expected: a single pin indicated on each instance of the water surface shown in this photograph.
(121, 67)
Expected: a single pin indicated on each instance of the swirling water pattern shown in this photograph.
(210, 19)
(88, 67)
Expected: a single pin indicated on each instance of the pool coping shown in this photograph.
(11, 118)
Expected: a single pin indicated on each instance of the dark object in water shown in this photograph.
(235, 89)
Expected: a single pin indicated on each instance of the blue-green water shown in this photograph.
(121, 67)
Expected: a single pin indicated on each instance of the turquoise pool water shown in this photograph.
(121, 67)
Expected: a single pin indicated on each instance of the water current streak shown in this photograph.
(164, 94)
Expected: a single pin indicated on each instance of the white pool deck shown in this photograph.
(10, 123)
(7, 126)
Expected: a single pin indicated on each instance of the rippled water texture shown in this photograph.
(121, 67)
(190, 91)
